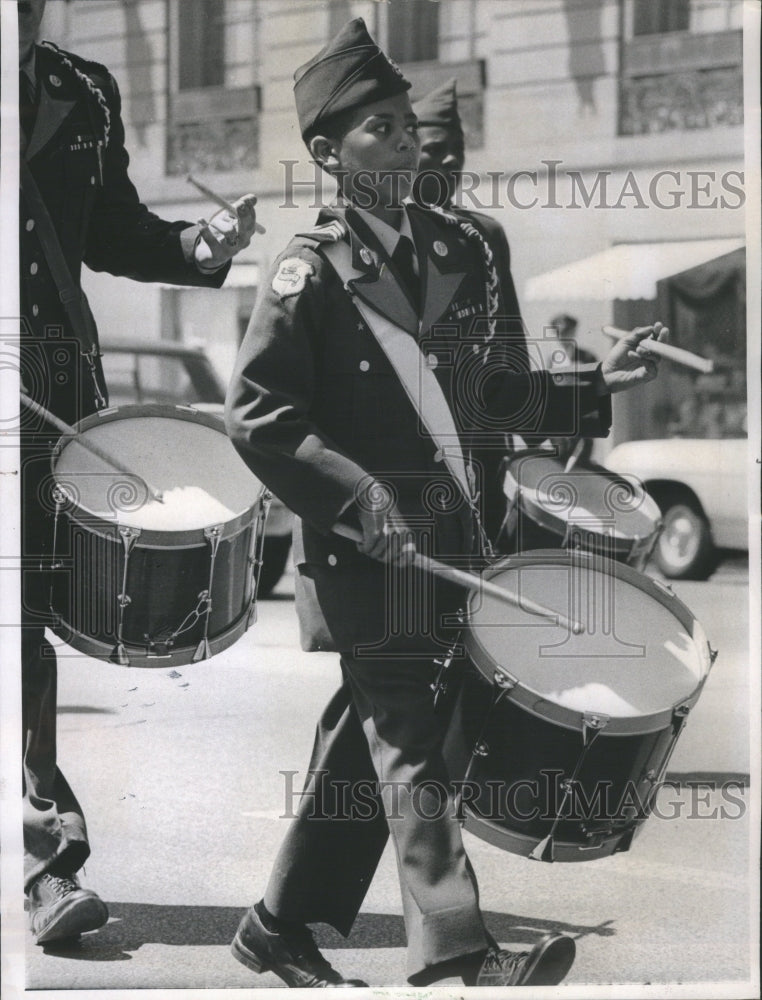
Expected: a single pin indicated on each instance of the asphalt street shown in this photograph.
(183, 774)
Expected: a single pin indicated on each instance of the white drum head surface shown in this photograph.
(635, 658)
(201, 476)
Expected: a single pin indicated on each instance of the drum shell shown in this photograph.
(152, 596)
(164, 584)
(513, 765)
(548, 777)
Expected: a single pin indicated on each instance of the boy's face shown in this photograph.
(441, 152)
(378, 153)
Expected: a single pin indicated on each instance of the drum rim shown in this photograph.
(152, 537)
(559, 525)
(531, 701)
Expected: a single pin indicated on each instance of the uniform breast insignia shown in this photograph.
(464, 309)
(83, 142)
(292, 276)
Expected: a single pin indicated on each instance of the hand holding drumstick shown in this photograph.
(229, 230)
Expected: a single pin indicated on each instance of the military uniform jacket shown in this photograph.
(317, 411)
(77, 157)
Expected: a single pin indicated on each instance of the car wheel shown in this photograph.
(684, 550)
(274, 558)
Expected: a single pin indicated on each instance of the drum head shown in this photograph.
(589, 496)
(185, 454)
(641, 654)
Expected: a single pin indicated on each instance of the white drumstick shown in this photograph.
(473, 582)
(219, 200)
(677, 354)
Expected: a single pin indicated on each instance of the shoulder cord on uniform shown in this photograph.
(93, 89)
(492, 284)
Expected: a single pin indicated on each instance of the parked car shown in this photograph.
(159, 371)
(700, 486)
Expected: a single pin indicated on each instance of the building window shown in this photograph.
(213, 101)
(201, 49)
(412, 31)
(654, 17)
(676, 75)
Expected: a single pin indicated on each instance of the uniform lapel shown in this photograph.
(54, 108)
(442, 263)
(375, 282)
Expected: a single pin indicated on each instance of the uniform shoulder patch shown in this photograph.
(291, 276)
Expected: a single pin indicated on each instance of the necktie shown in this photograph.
(402, 258)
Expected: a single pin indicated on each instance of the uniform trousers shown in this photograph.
(55, 834)
(377, 770)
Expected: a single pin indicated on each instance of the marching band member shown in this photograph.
(366, 364)
(78, 205)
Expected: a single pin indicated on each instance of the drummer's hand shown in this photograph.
(226, 234)
(385, 537)
(629, 362)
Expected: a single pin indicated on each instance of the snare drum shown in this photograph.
(562, 740)
(588, 507)
(145, 583)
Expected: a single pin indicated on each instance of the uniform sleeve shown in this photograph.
(548, 404)
(124, 237)
(269, 402)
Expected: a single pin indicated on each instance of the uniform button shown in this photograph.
(92, 179)
(29, 225)
(332, 560)
(35, 310)
(33, 268)
(365, 366)
(438, 456)
(431, 360)
(475, 349)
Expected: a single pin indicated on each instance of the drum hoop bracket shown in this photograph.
(595, 722)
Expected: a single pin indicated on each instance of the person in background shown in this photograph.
(78, 205)
(440, 169)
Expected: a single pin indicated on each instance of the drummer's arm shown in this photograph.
(124, 237)
(545, 403)
(268, 405)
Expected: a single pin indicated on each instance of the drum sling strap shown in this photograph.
(71, 296)
(418, 380)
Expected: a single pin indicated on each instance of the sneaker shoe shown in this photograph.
(292, 955)
(545, 965)
(60, 908)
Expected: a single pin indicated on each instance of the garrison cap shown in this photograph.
(440, 108)
(351, 70)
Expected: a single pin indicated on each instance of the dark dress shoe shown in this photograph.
(292, 955)
(545, 965)
(60, 908)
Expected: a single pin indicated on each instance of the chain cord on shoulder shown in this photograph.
(492, 283)
(96, 92)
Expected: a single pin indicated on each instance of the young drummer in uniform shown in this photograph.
(365, 366)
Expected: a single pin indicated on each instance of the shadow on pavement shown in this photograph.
(133, 925)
